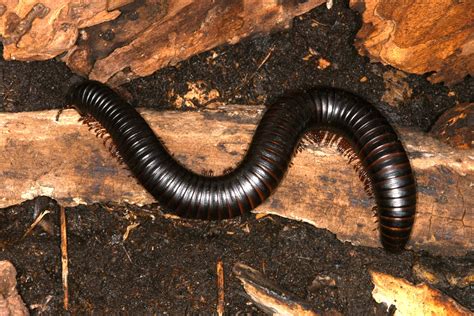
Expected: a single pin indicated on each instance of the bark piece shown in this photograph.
(419, 36)
(412, 299)
(63, 160)
(10, 301)
(456, 126)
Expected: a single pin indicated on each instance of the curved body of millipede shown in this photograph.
(383, 162)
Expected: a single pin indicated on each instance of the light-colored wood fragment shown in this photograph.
(63, 160)
(419, 36)
(413, 300)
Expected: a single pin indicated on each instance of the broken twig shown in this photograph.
(35, 223)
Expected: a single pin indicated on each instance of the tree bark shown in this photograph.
(63, 160)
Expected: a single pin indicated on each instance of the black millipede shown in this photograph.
(366, 135)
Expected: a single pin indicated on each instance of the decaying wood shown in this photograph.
(148, 34)
(456, 126)
(419, 36)
(412, 299)
(63, 160)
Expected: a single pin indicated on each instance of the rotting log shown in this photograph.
(64, 160)
(144, 36)
(419, 36)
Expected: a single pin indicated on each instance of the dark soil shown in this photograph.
(168, 265)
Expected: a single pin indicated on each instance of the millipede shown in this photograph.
(361, 131)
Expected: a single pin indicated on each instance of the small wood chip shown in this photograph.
(329, 4)
(246, 228)
(311, 53)
(323, 63)
(260, 215)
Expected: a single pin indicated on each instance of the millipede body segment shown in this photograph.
(383, 162)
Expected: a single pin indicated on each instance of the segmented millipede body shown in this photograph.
(383, 162)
